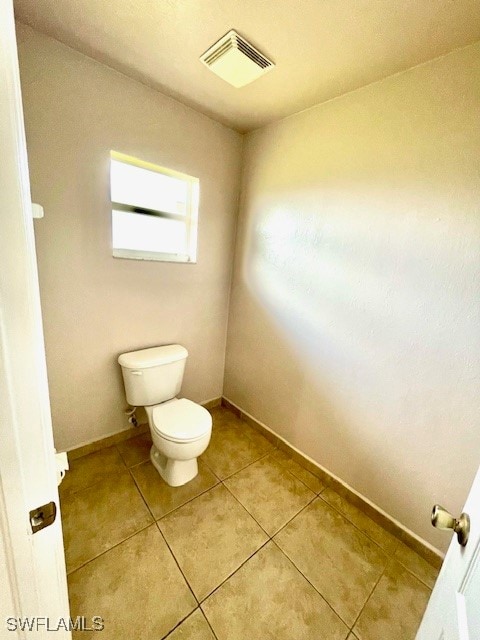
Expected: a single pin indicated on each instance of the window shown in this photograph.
(154, 211)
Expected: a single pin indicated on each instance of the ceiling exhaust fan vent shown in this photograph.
(236, 60)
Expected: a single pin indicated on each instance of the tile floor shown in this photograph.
(254, 548)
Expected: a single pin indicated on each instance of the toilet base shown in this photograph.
(174, 472)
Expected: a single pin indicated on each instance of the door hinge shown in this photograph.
(43, 516)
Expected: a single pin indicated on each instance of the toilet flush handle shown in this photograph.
(136, 373)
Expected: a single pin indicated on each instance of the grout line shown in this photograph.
(102, 479)
(312, 585)
(120, 454)
(270, 452)
(371, 593)
(156, 522)
(299, 479)
(161, 533)
(164, 515)
(297, 514)
(314, 496)
(112, 547)
(124, 539)
(134, 466)
(249, 464)
(141, 495)
(245, 509)
(176, 562)
(410, 571)
(180, 622)
(202, 613)
(269, 537)
(233, 573)
(178, 506)
(389, 559)
(345, 516)
(210, 468)
(263, 455)
(293, 517)
(208, 622)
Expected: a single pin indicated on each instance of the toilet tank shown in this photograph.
(152, 376)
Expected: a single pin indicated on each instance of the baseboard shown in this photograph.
(92, 446)
(424, 549)
(108, 441)
(211, 404)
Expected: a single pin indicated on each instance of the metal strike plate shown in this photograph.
(43, 516)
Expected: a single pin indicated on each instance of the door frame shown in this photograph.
(32, 566)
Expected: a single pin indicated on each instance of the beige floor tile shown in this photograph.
(312, 482)
(383, 538)
(395, 608)
(338, 559)
(97, 518)
(135, 450)
(87, 470)
(257, 437)
(270, 493)
(195, 627)
(136, 588)
(210, 537)
(222, 416)
(268, 599)
(160, 497)
(416, 564)
(352, 637)
(230, 450)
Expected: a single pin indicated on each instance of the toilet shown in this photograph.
(180, 428)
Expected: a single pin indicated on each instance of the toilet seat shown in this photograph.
(181, 420)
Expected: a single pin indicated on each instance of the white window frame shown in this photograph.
(190, 218)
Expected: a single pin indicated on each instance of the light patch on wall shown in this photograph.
(350, 299)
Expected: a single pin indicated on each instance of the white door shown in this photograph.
(453, 612)
(32, 565)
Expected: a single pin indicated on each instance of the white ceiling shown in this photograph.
(322, 48)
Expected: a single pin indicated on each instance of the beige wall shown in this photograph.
(354, 327)
(95, 306)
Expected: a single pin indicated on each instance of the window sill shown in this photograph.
(151, 256)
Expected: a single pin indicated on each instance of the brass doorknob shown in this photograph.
(443, 519)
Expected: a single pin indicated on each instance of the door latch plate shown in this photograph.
(43, 516)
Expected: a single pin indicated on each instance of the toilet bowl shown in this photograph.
(180, 428)
(181, 431)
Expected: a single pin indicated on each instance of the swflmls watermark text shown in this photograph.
(39, 623)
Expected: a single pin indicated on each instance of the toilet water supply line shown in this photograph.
(132, 418)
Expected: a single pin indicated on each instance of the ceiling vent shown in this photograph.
(236, 60)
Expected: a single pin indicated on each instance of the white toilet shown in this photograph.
(180, 428)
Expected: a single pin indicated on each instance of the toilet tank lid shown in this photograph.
(152, 357)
